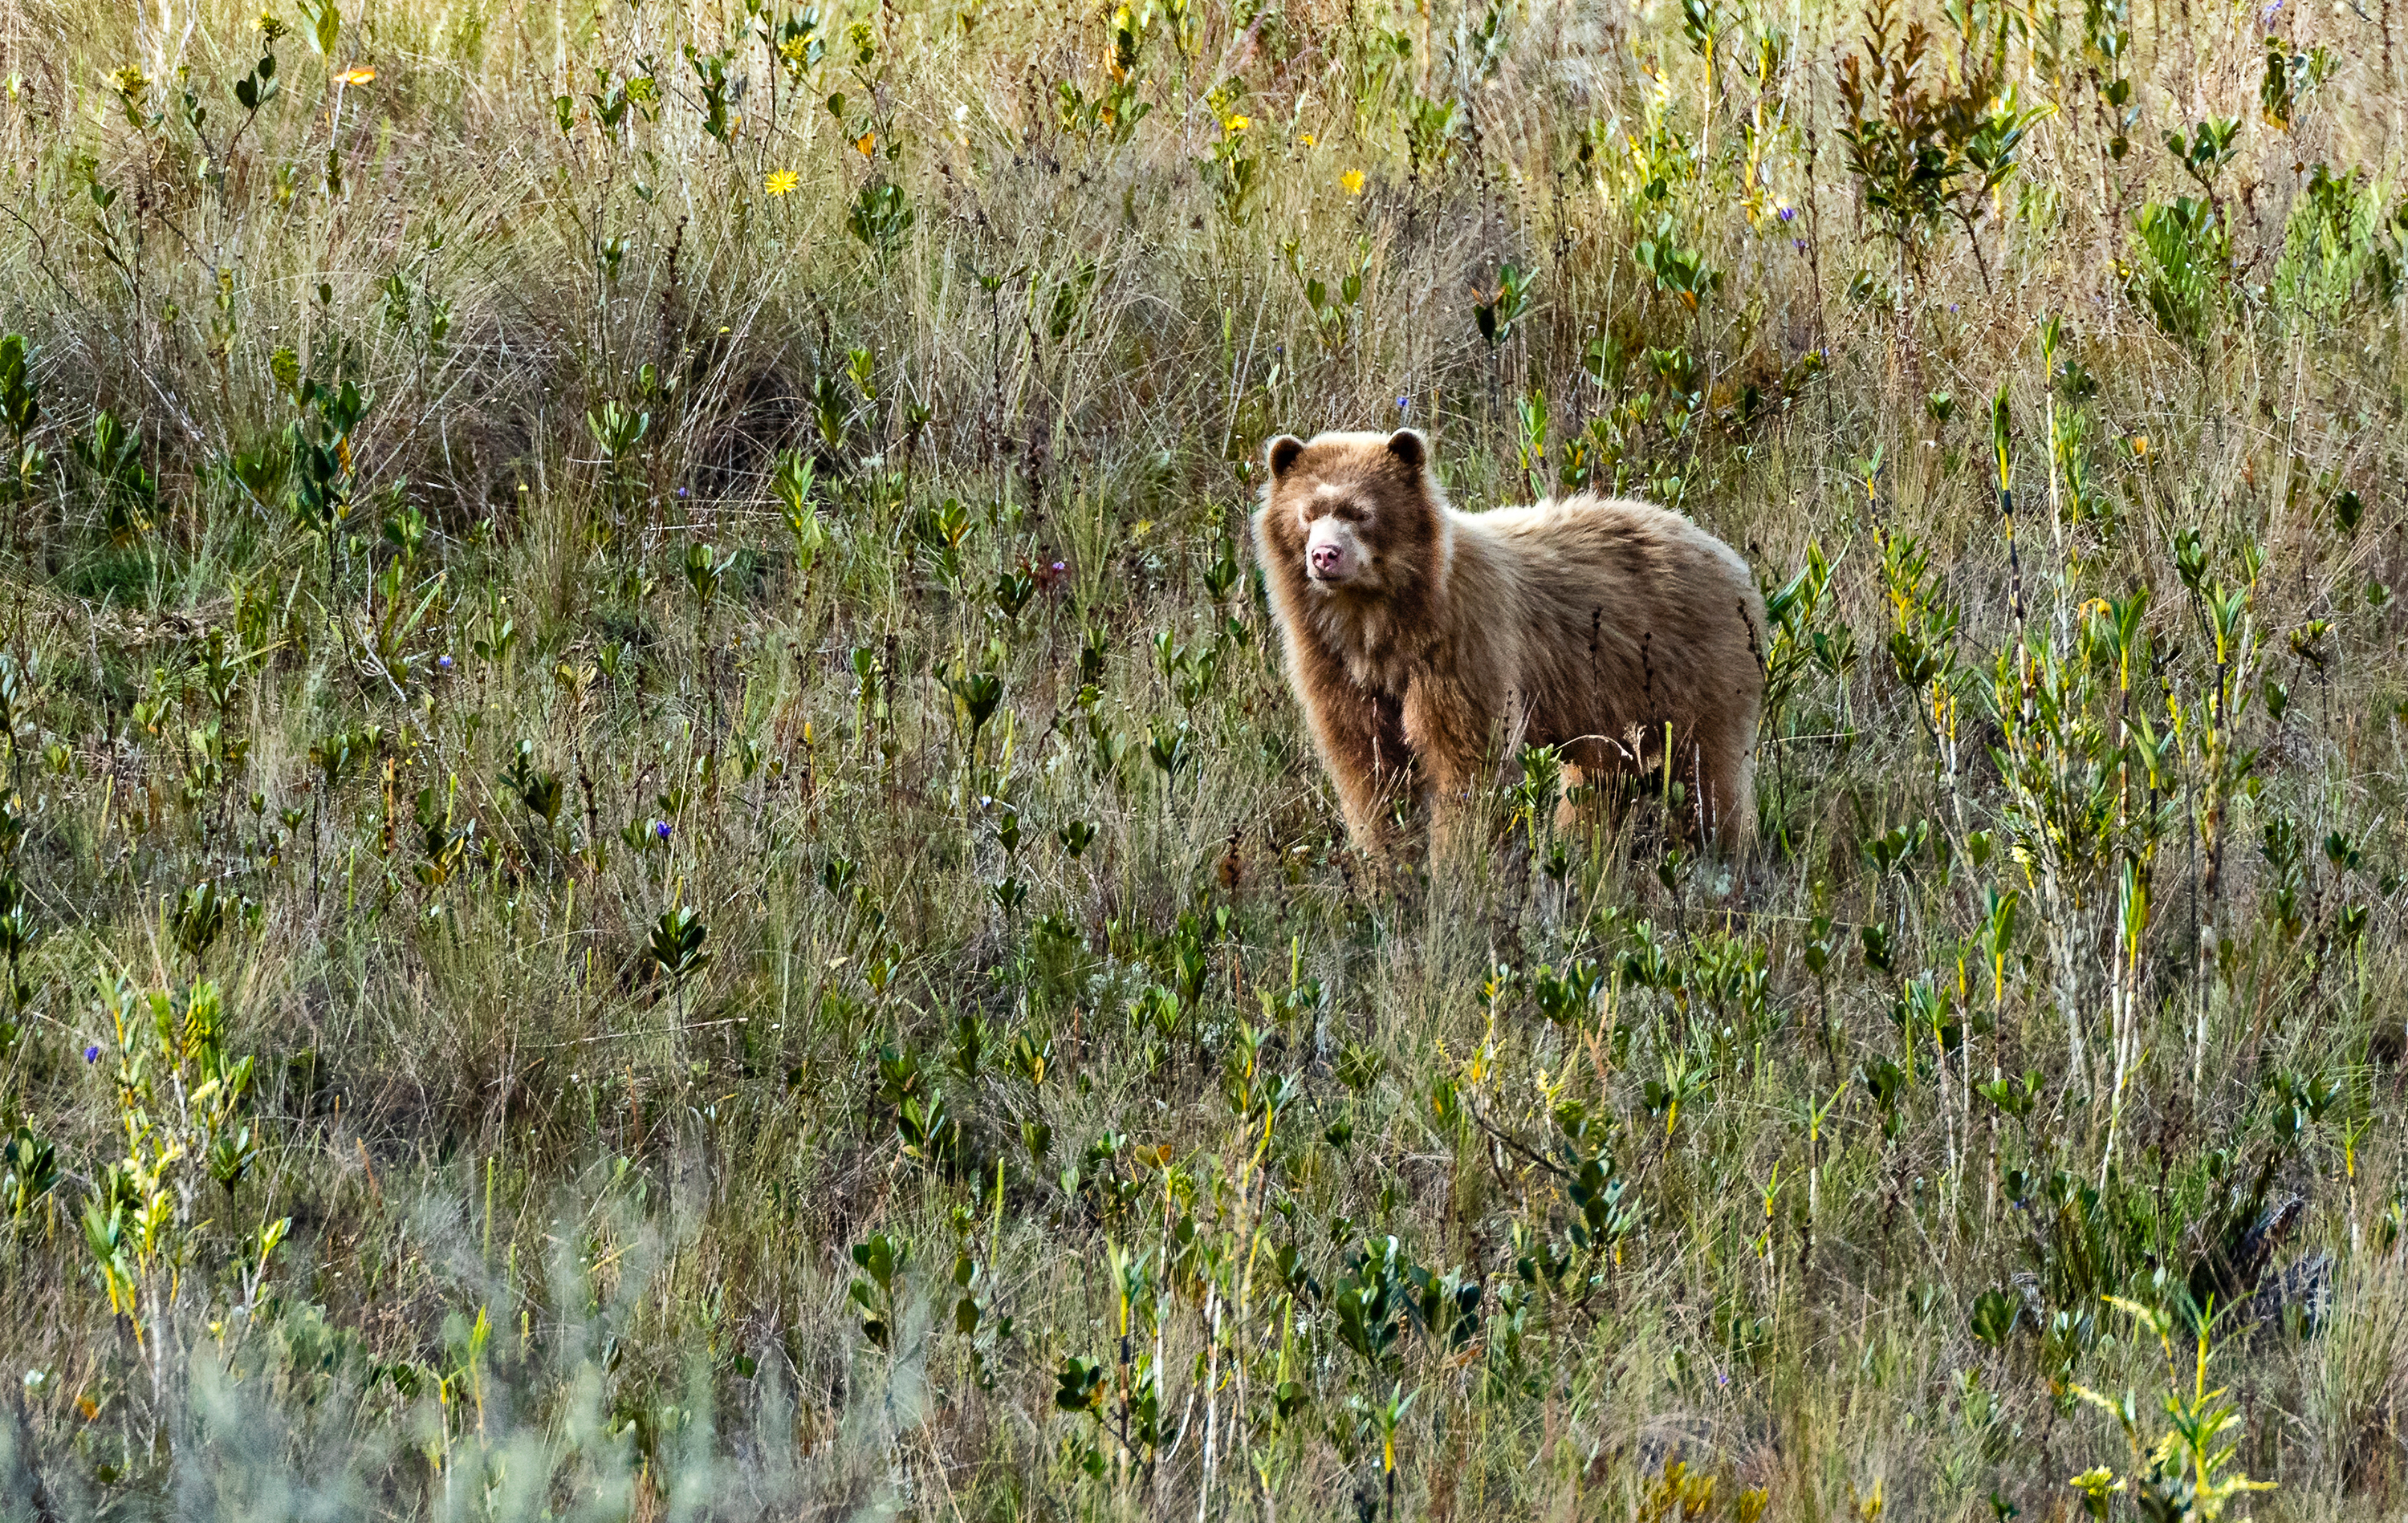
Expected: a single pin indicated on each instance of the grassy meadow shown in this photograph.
(655, 863)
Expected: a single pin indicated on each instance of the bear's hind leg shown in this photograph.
(1726, 765)
(1572, 807)
(1596, 789)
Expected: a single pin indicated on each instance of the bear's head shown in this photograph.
(1354, 516)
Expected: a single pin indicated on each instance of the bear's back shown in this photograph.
(1602, 612)
(1635, 552)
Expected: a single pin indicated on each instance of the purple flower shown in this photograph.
(1798, 244)
(443, 663)
(1061, 566)
(661, 829)
(91, 1052)
(2268, 18)
(1405, 403)
(1788, 213)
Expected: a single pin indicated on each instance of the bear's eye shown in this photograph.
(1349, 511)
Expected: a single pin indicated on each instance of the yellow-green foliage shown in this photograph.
(655, 863)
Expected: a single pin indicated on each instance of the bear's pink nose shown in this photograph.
(1325, 559)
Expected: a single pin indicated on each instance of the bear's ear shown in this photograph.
(1282, 454)
(1409, 445)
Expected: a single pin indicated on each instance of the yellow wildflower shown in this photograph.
(779, 181)
(1353, 180)
(866, 142)
(1306, 138)
(1238, 125)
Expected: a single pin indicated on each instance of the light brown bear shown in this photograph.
(1430, 644)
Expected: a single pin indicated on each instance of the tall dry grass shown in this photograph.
(1716, 1185)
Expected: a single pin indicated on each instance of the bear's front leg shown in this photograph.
(1362, 742)
(1451, 747)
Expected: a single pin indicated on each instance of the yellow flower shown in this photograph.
(1306, 138)
(866, 142)
(359, 76)
(779, 181)
(1353, 180)
(1238, 125)
(2140, 446)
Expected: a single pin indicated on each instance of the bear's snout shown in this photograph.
(1331, 553)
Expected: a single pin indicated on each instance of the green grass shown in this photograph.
(659, 865)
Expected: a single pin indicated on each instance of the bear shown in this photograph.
(1426, 645)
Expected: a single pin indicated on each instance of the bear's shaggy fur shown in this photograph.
(1430, 643)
